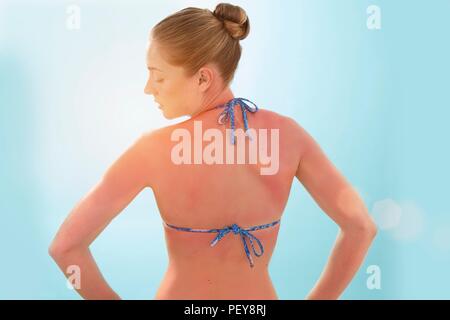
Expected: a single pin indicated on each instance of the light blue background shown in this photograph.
(377, 101)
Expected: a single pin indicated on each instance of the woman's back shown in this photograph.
(214, 196)
(220, 210)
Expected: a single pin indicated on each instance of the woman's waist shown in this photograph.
(216, 284)
(217, 272)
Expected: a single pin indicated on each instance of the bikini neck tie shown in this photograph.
(228, 113)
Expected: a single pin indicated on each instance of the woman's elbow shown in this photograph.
(364, 226)
(56, 250)
(370, 228)
(59, 249)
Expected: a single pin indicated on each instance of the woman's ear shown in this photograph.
(205, 79)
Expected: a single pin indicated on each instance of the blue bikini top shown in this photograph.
(244, 233)
(228, 113)
(224, 116)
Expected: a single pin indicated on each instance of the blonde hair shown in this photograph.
(193, 37)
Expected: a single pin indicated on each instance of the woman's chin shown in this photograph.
(166, 115)
(160, 107)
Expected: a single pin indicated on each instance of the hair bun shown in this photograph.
(235, 20)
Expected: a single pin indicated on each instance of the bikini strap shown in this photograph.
(228, 114)
(244, 233)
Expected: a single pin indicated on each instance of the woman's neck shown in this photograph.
(222, 98)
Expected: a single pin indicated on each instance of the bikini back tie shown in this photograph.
(244, 233)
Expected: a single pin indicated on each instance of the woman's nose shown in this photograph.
(148, 88)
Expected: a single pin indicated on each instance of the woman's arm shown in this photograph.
(125, 178)
(340, 202)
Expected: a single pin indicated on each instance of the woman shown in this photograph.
(219, 235)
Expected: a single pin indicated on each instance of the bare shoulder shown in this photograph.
(289, 125)
(154, 137)
(299, 132)
(150, 148)
(150, 136)
(275, 117)
(296, 136)
(155, 143)
(271, 116)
